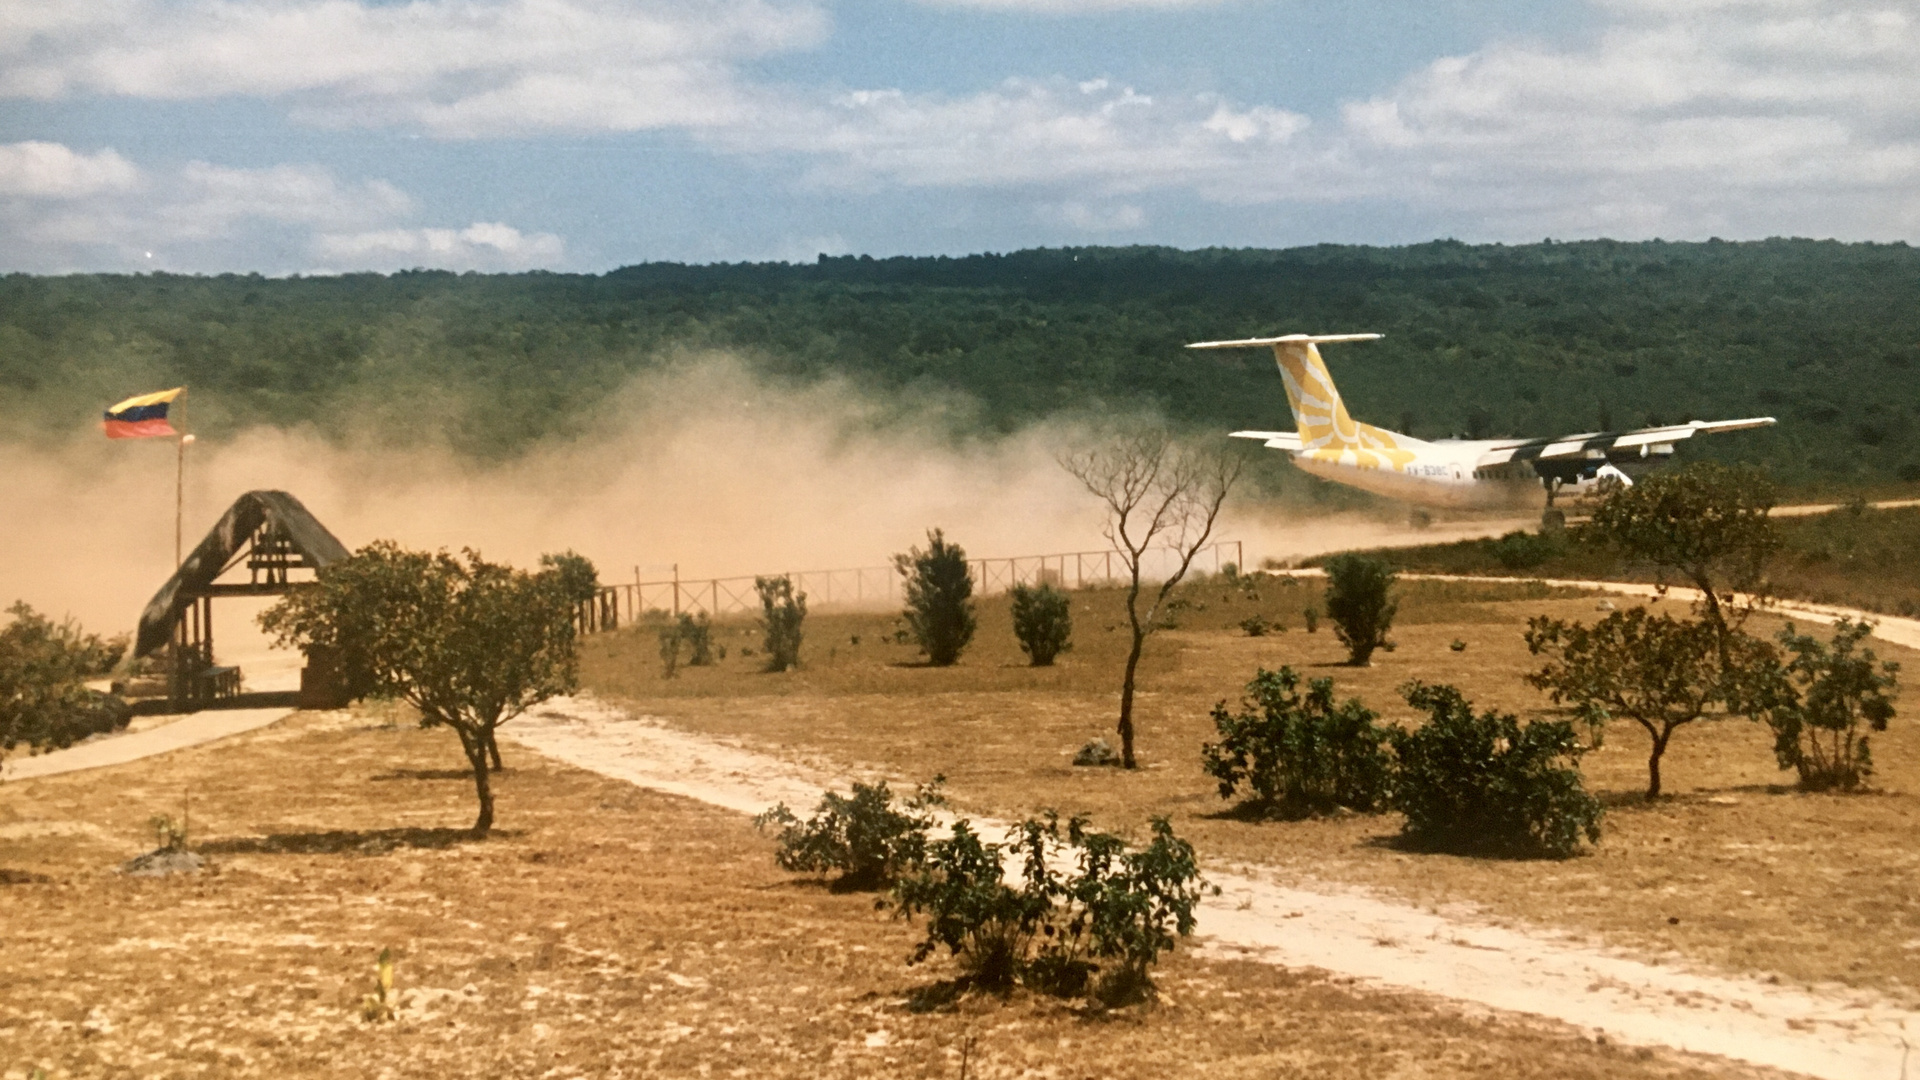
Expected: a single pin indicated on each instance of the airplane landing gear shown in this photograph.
(1552, 520)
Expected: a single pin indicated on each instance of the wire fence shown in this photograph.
(876, 587)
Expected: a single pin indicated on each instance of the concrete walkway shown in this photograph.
(190, 730)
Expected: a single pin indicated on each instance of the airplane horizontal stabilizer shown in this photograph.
(1289, 339)
(1598, 444)
(1277, 440)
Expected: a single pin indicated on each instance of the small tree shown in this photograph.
(1708, 522)
(1043, 621)
(1360, 604)
(939, 598)
(781, 613)
(575, 574)
(1821, 703)
(1157, 494)
(1486, 785)
(1660, 672)
(469, 643)
(1299, 755)
(44, 666)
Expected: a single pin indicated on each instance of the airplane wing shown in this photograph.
(1278, 440)
(1602, 444)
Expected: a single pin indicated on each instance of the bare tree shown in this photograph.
(1158, 494)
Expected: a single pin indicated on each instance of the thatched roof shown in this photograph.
(214, 555)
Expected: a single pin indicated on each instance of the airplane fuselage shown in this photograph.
(1447, 473)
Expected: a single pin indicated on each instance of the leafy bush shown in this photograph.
(44, 665)
(1521, 550)
(864, 837)
(685, 630)
(1098, 929)
(1819, 702)
(781, 613)
(1043, 621)
(697, 632)
(1360, 604)
(939, 598)
(1486, 785)
(1299, 755)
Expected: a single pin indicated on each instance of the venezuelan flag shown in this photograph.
(143, 416)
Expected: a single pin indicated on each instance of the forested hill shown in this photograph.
(1535, 339)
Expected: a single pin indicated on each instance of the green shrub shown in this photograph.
(1043, 621)
(669, 649)
(864, 837)
(1485, 785)
(1299, 755)
(44, 665)
(1360, 604)
(1097, 929)
(939, 598)
(1521, 550)
(782, 612)
(691, 632)
(1821, 703)
(697, 632)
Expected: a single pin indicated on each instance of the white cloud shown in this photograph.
(1073, 7)
(1026, 133)
(65, 211)
(51, 171)
(208, 200)
(1756, 117)
(1123, 217)
(456, 68)
(481, 246)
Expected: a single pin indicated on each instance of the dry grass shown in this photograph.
(605, 931)
(1735, 871)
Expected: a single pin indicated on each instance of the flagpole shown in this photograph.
(179, 490)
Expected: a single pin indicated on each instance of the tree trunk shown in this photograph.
(493, 749)
(1126, 699)
(1653, 760)
(475, 745)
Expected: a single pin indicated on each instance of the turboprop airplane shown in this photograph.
(1469, 473)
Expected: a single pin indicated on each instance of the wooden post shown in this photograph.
(676, 590)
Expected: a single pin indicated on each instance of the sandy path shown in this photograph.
(1458, 956)
(201, 727)
(1892, 628)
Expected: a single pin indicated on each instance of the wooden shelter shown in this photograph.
(274, 536)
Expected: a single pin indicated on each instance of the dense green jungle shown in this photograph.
(1480, 340)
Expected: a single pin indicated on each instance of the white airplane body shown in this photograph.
(1463, 473)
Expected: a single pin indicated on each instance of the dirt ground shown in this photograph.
(1734, 871)
(602, 931)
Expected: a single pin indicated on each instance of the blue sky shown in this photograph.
(300, 136)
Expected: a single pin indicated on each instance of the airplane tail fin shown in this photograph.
(1318, 412)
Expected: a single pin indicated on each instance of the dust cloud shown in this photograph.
(702, 465)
